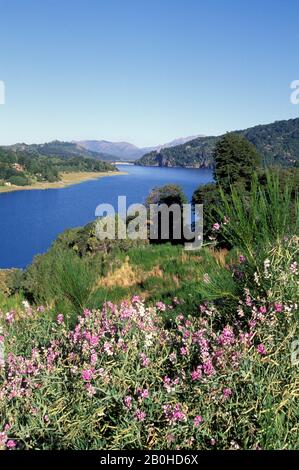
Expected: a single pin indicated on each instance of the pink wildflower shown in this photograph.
(261, 349)
(216, 227)
(144, 360)
(108, 349)
(278, 307)
(196, 374)
(140, 415)
(143, 393)
(227, 392)
(87, 375)
(184, 351)
(11, 444)
(10, 316)
(60, 319)
(197, 420)
(263, 309)
(160, 306)
(128, 402)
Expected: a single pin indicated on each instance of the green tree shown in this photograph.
(236, 159)
(168, 194)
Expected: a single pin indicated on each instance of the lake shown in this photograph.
(31, 220)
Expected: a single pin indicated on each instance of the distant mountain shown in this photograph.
(120, 150)
(124, 150)
(278, 143)
(60, 149)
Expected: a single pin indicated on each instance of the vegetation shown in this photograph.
(211, 372)
(277, 144)
(236, 159)
(23, 168)
(236, 167)
(110, 344)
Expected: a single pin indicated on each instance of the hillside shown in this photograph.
(20, 167)
(60, 149)
(278, 143)
(126, 151)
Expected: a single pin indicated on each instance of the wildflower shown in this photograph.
(90, 389)
(169, 384)
(293, 267)
(173, 357)
(10, 444)
(170, 438)
(86, 313)
(263, 309)
(87, 375)
(278, 307)
(108, 349)
(160, 306)
(183, 351)
(10, 316)
(128, 402)
(256, 279)
(196, 374)
(40, 309)
(197, 420)
(46, 418)
(261, 349)
(208, 368)
(135, 299)
(93, 358)
(144, 360)
(216, 227)
(226, 337)
(94, 340)
(140, 415)
(174, 413)
(267, 263)
(143, 393)
(60, 319)
(227, 392)
(242, 259)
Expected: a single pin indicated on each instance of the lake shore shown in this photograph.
(67, 179)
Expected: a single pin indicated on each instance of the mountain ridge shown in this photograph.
(277, 143)
(125, 150)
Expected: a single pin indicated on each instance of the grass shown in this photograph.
(219, 353)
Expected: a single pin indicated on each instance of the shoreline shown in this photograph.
(67, 179)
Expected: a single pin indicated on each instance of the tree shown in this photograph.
(168, 194)
(164, 197)
(236, 159)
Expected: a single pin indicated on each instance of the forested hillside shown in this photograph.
(277, 143)
(23, 168)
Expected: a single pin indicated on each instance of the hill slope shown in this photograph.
(60, 149)
(278, 143)
(126, 151)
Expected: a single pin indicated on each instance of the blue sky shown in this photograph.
(144, 71)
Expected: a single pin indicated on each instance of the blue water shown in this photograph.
(31, 220)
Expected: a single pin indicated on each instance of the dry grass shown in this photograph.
(67, 179)
(128, 275)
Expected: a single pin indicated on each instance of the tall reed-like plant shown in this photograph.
(261, 218)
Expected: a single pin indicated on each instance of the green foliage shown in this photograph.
(235, 161)
(22, 167)
(168, 194)
(276, 143)
(263, 218)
